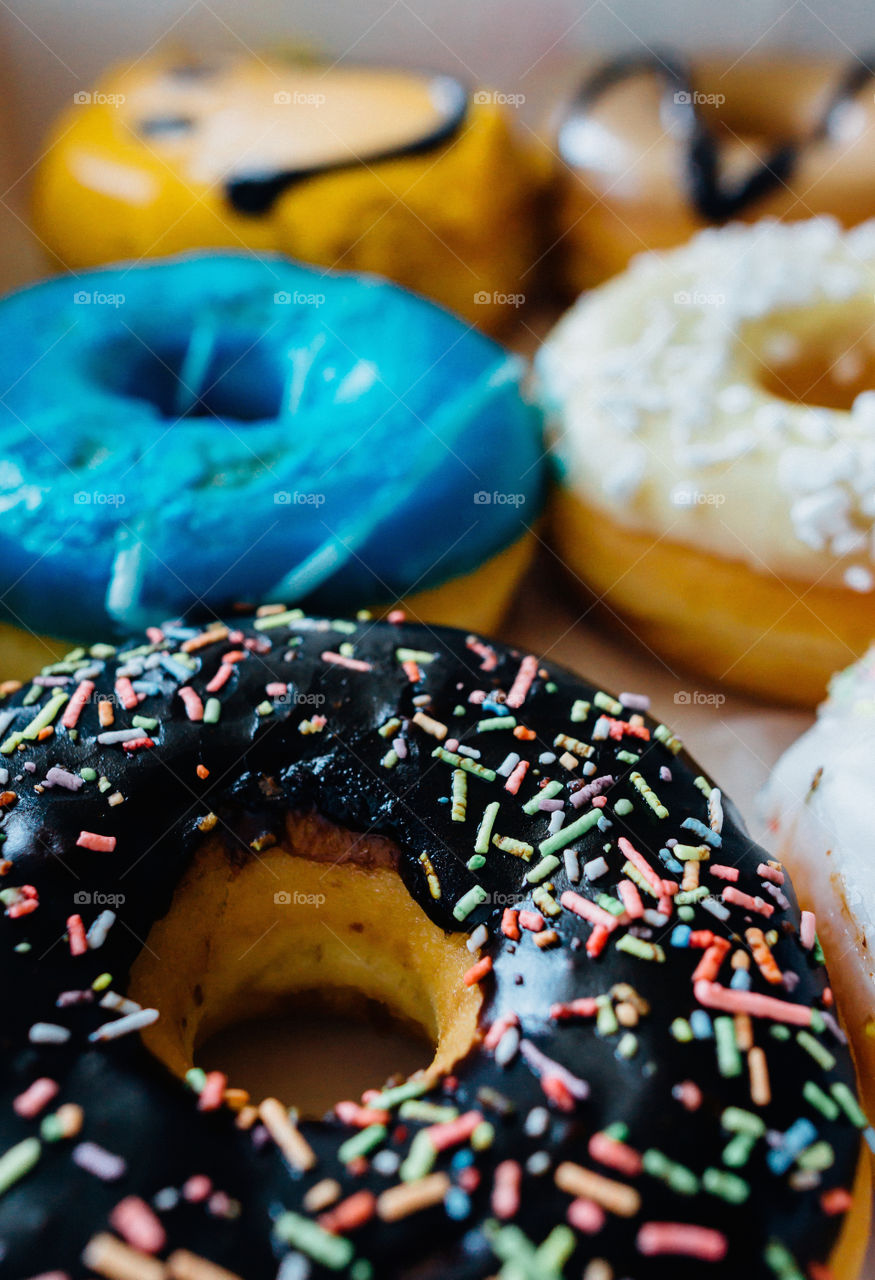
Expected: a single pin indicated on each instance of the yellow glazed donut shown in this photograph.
(653, 150)
(390, 171)
(817, 804)
(710, 416)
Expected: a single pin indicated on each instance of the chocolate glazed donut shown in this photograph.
(638, 1072)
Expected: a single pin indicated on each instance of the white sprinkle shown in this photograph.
(119, 1004)
(556, 820)
(508, 1046)
(97, 933)
(572, 865)
(48, 1033)
(595, 868)
(859, 578)
(58, 777)
(118, 735)
(478, 938)
(132, 1022)
(547, 757)
(508, 765)
(716, 908)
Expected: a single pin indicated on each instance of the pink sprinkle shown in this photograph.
(545, 1068)
(807, 930)
(136, 1223)
(728, 1000)
(222, 676)
(583, 1007)
(397, 616)
(506, 1189)
(770, 873)
(126, 693)
(212, 1095)
(723, 873)
(98, 844)
(532, 920)
(155, 635)
(631, 899)
(194, 708)
(523, 682)
(341, 660)
(688, 1094)
(599, 802)
(498, 1028)
(399, 745)
(137, 744)
(197, 1188)
(76, 935)
(359, 1117)
(546, 805)
(635, 701)
(276, 689)
(586, 1216)
(453, 1132)
(513, 783)
(477, 696)
(411, 670)
(664, 773)
(589, 910)
(74, 707)
(739, 899)
(616, 1155)
(703, 1243)
(657, 884)
(35, 1097)
(23, 908)
(451, 744)
(484, 651)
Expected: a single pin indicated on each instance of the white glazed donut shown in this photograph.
(710, 412)
(818, 804)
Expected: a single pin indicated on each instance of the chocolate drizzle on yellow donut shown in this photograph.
(713, 199)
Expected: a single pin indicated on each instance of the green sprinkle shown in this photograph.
(427, 1112)
(483, 1136)
(627, 1046)
(729, 1062)
(484, 831)
(51, 1129)
(361, 1143)
(101, 982)
(691, 852)
(686, 914)
(344, 626)
(639, 947)
(544, 900)
(704, 787)
(664, 735)
(496, 722)
(420, 656)
(649, 795)
(476, 862)
(547, 793)
(579, 711)
(681, 1179)
(104, 785)
(264, 708)
(780, 1032)
(623, 807)
(196, 1078)
(822, 1102)
(781, 1261)
(737, 1120)
(738, 1151)
(18, 1161)
(212, 711)
(726, 1186)
(628, 757)
(605, 702)
(459, 710)
(606, 1020)
(102, 651)
(420, 1158)
(464, 762)
(333, 1252)
(88, 775)
(278, 619)
(681, 1030)
(687, 897)
(849, 1104)
(459, 796)
(609, 903)
(390, 759)
(144, 722)
(552, 1255)
(819, 1052)
(393, 1097)
(469, 902)
(573, 832)
(390, 728)
(567, 743)
(542, 869)
(817, 1158)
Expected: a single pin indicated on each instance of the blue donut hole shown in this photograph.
(239, 381)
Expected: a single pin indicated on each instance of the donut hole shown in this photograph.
(318, 931)
(823, 359)
(203, 374)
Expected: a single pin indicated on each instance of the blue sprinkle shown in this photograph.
(671, 863)
(146, 686)
(740, 980)
(800, 1135)
(700, 1024)
(869, 1135)
(499, 708)
(457, 1204)
(680, 935)
(604, 823)
(703, 832)
(462, 1160)
(176, 669)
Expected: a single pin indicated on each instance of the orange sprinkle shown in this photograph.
(105, 713)
(45, 733)
(202, 771)
(477, 971)
(510, 924)
(524, 734)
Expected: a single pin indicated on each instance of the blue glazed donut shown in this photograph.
(210, 429)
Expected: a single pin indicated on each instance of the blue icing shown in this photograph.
(216, 428)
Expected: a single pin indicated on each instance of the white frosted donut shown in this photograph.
(818, 803)
(711, 415)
